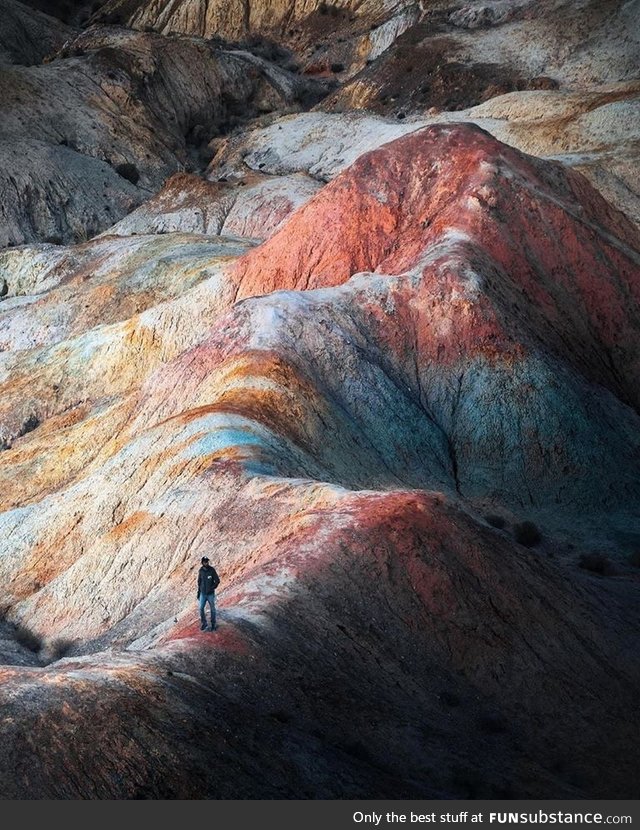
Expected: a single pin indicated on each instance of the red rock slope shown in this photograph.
(555, 262)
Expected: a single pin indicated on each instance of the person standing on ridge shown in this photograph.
(208, 581)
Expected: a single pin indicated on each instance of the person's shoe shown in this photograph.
(213, 627)
(203, 627)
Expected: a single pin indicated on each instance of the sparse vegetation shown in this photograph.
(81, 236)
(129, 172)
(27, 638)
(269, 50)
(29, 424)
(543, 82)
(59, 648)
(597, 563)
(527, 534)
(331, 10)
(495, 520)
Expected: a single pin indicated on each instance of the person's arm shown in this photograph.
(199, 578)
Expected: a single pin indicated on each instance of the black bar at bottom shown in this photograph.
(345, 815)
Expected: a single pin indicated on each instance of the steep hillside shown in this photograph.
(595, 132)
(449, 327)
(379, 365)
(454, 52)
(308, 27)
(488, 49)
(379, 644)
(27, 37)
(96, 131)
(87, 137)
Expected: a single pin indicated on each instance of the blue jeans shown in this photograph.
(211, 599)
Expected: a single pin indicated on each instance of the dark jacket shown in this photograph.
(208, 580)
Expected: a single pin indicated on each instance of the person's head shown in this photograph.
(205, 561)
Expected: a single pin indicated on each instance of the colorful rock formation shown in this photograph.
(413, 343)
(384, 374)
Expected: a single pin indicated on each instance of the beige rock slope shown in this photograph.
(296, 22)
(574, 41)
(253, 206)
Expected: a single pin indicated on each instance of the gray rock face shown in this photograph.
(27, 36)
(89, 136)
(72, 12)
(56, 194)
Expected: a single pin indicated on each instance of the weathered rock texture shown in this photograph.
(314, 29)
(255, 206)
(87, 137)
(596, 132)
(483, 50)
(94, 133)
(408, 53)
(446, 328)
(370, 645)
(27, 37)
